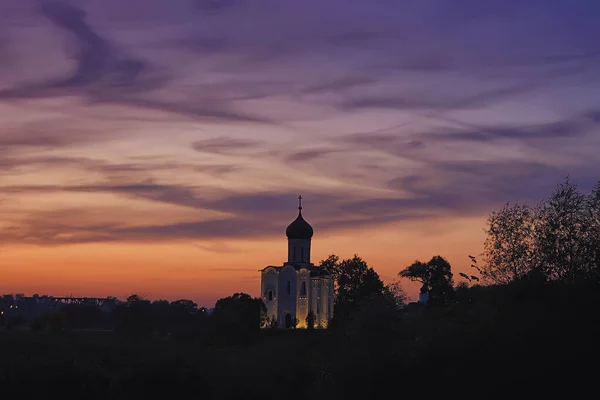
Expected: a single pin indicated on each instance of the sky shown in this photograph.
(159, 147)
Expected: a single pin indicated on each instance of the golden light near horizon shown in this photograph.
(205, 272)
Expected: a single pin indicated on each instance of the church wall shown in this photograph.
(286, 300)
(302, 304)
(315, 306)
(326, 302)
(270, 282)
(331, 295)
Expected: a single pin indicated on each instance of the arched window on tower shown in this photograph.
(270, 295)
(303, 289)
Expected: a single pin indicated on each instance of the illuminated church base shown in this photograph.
(297, 287)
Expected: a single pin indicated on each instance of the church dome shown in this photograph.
(299, 228)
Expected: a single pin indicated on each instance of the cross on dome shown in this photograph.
(299, 228)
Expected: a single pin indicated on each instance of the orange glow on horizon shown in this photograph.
(206, 272)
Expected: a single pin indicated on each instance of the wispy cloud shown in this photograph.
(566, 128)
(373, 117)
(219, 247)
(439, 102)
(100, 69)
(339, 85)
(309, 155)
(107, 74)
(221, 145)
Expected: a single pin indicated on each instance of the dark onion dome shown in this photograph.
(299, 229)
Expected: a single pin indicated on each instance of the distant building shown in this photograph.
(298, 286)
(424, 294)
(32, 307)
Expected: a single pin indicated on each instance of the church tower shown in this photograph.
(291, 291)
(299, 234)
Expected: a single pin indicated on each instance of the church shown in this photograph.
(292, 290)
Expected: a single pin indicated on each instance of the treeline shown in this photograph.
(234, 318)
(557, 239)
(523, 320)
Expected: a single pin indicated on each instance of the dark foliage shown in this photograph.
(311, 319)
(436, 276)
(237, 318)
(558, 238)
(355, 282)
(528, 336)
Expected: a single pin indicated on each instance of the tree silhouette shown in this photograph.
(185, 305)
(134, 317)
(311, 320)
(238, 317)
(562, 234)
(508, 248)
(436, 276)
(331, 263)
(593, 242)
(355, 282)
(272, 322)
(556, 240)
(397, 294)
(81, 316)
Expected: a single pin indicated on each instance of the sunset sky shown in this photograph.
(158, 147)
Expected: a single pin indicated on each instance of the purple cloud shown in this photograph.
(375, 111)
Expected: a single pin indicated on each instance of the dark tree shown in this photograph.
(134, 318)
(558, 240)
(593, 238)
(436, 276)
(186, 322)
(562, 234)
(356, 282)
(508, 248)
(272, 322)
(185, 305)
(332, 264)
(311, 320)
(81, 316)
(238, 317)
(162, 317)
(375, 318)
(183, 311)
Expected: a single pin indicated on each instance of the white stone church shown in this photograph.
(298, 286)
